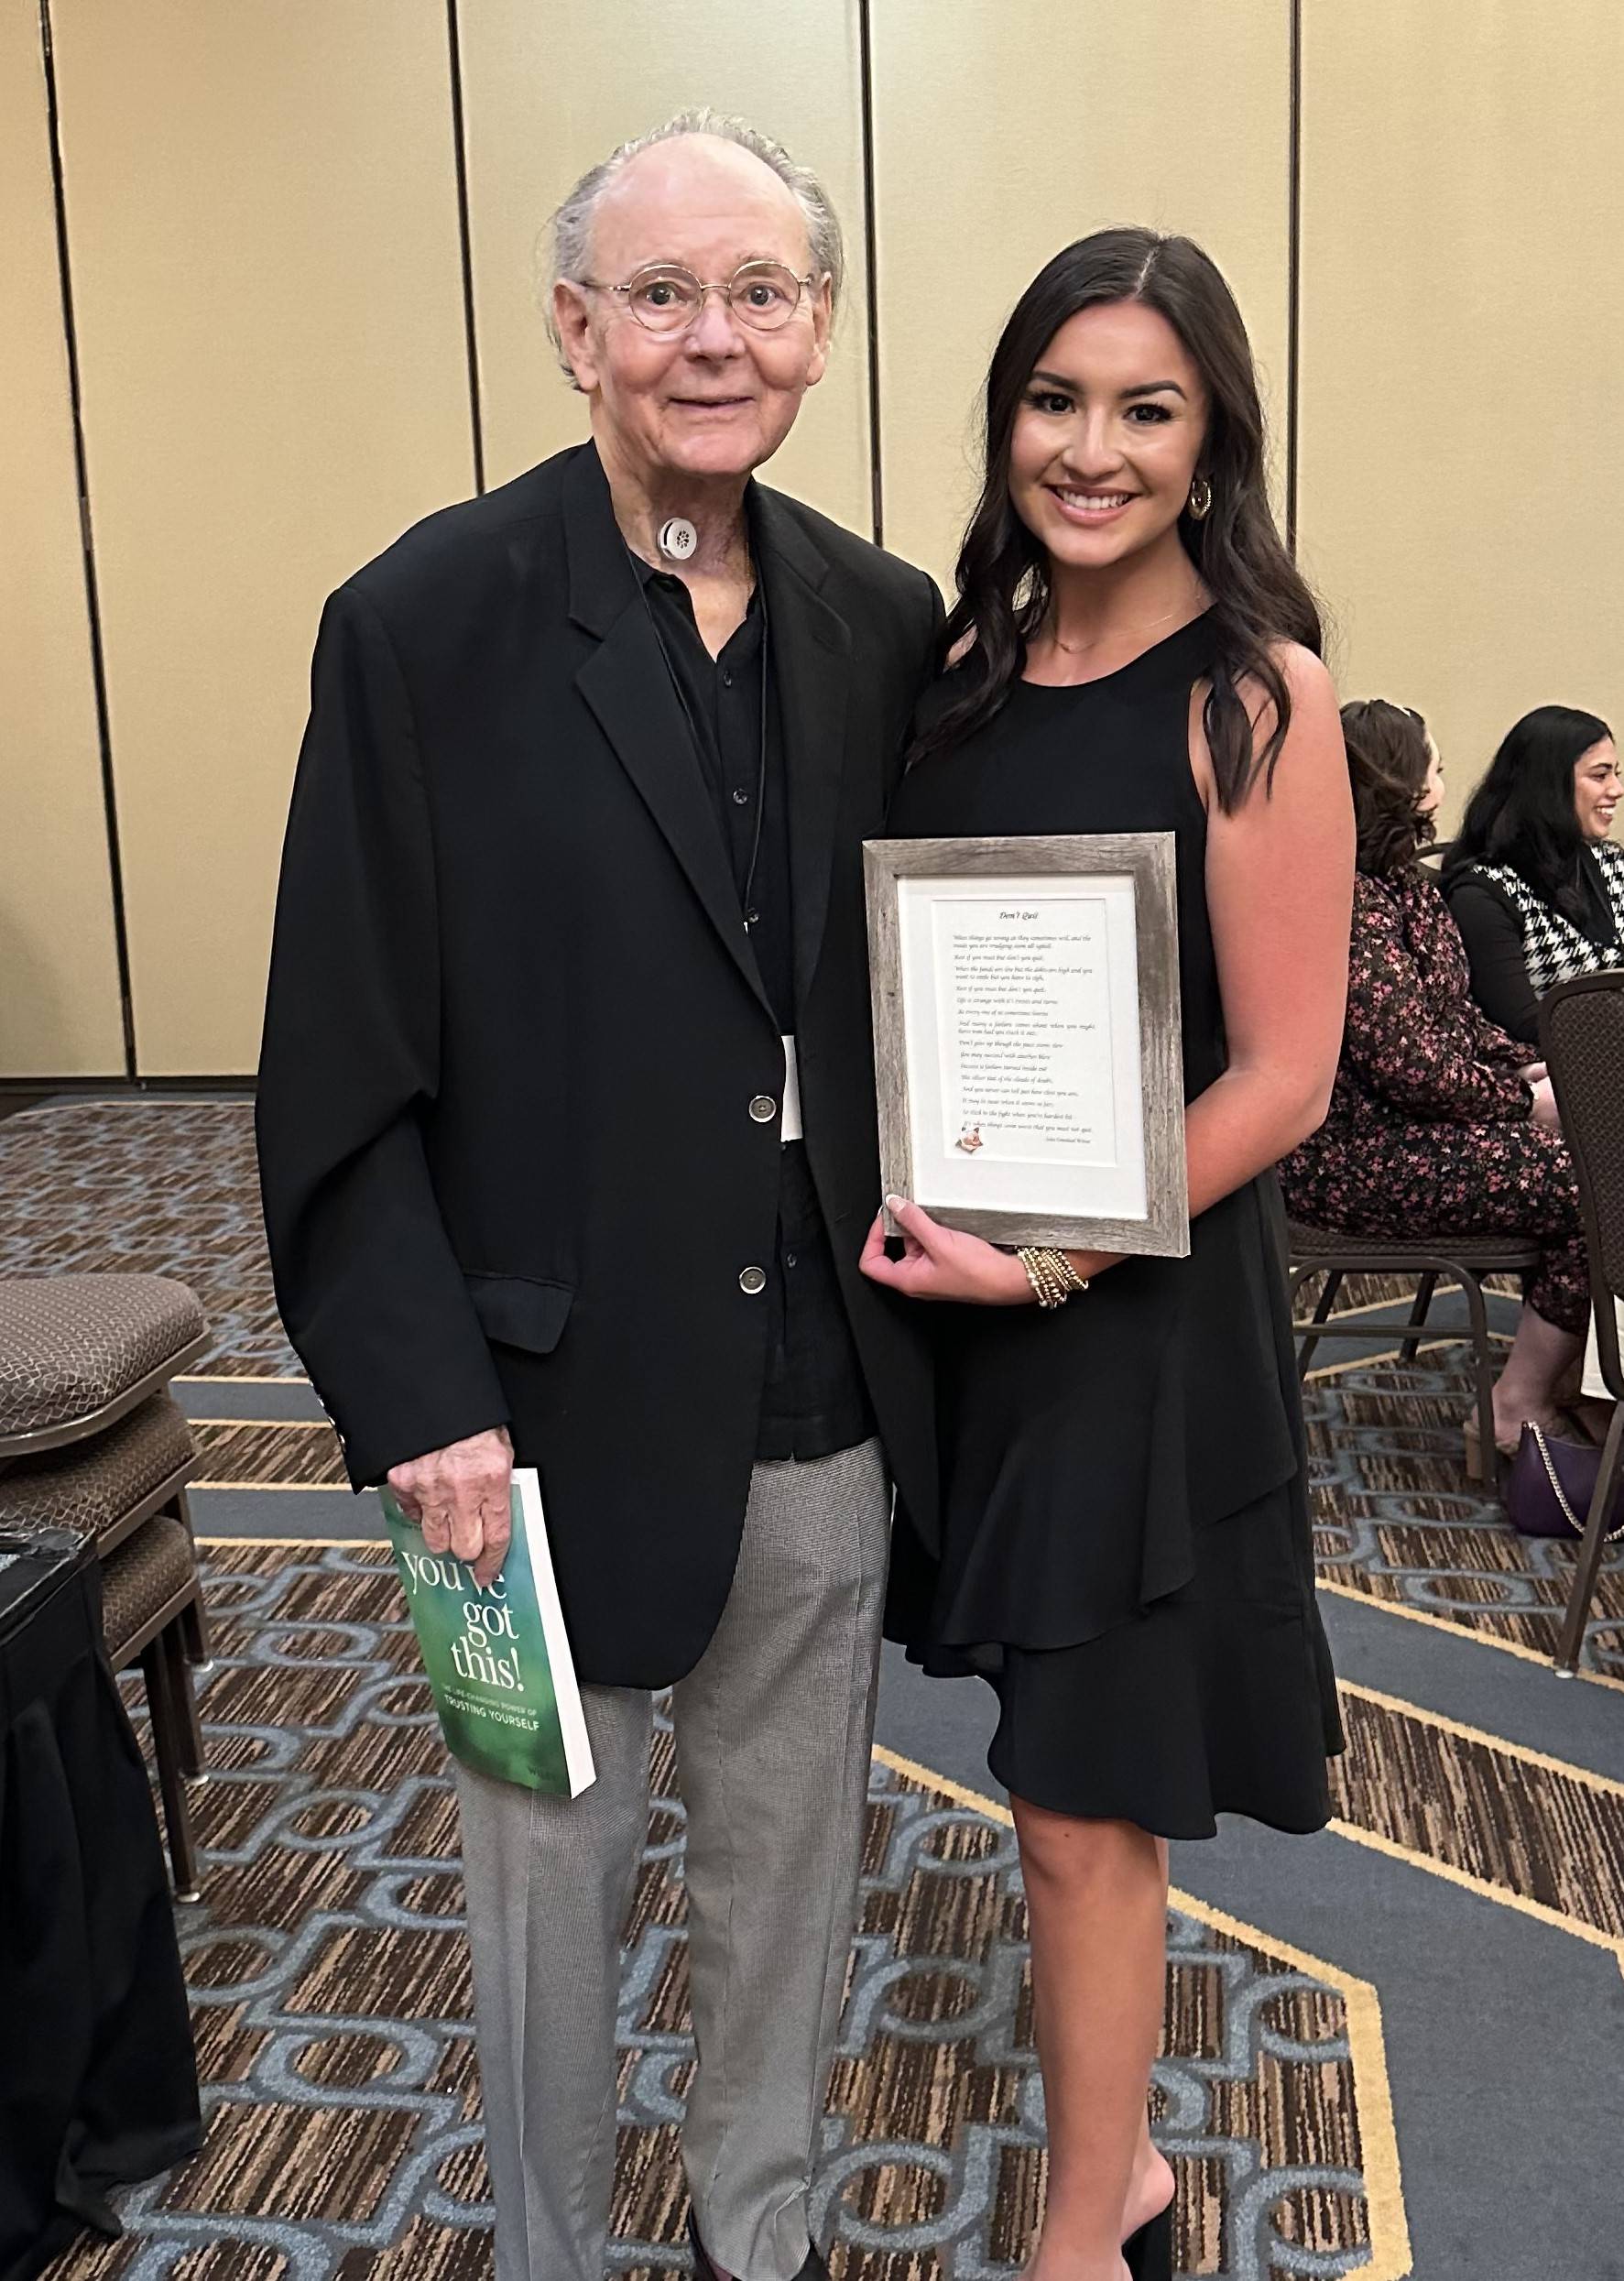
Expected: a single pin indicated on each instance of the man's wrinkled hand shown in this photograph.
(460, 1498)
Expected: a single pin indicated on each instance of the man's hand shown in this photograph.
(459, 1497)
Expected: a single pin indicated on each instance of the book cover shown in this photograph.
(498, 1661)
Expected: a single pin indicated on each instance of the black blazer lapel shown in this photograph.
(812, 652)
(628, 684)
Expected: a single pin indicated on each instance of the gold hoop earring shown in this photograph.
(1201, 499)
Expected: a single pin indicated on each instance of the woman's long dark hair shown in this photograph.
(1388, 759)
(1258, 598)
(1522, 813)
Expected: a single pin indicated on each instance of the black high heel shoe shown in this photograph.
(1149, 2252)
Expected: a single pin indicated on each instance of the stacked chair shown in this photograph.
(91, 1439)
(1582, 1037)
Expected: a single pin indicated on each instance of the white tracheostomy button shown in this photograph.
(791, 1128)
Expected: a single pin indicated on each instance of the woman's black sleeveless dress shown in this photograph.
(1125, 1540)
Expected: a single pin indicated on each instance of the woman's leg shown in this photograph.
(1525, 1182)
(1541, 1355)
(1096, 1901)
(1515, 1179)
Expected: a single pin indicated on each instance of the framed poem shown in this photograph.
(1028, 1043)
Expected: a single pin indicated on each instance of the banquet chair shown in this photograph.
(1431, 1259)
(1582, 1037)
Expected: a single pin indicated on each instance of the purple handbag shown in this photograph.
(1550, 1485)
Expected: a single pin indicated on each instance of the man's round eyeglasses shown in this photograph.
(664, 298)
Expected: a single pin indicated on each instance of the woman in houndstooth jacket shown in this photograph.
(1535, 884)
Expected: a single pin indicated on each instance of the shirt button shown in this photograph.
(741, 798)
(752, 1281)
(751, 917)
(727, 677)
(789, 1258)
(764, 1108)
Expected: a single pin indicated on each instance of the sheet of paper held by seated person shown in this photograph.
(1023, 1043)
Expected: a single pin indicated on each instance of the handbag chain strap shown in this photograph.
(1568, 1514)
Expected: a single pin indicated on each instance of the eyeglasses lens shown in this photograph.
(763, 295)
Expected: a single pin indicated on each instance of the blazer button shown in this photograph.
(752, 1281)
(764, 1108)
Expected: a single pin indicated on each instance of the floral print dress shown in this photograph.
(1429, 1128)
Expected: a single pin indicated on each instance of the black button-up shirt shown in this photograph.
(813, 1400)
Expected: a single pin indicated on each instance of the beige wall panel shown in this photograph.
(552, 86)
(262, 215)
(1002, 134)
(59, 971)
(1463, 335)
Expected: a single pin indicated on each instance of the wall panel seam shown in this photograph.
(1293, 268)
(871, 261)
(466, 240)
(87, 544)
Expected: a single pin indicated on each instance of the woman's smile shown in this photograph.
(1090, 509)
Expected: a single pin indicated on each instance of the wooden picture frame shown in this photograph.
(1027, 1042)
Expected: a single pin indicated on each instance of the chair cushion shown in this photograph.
(71, 1343)
(1492, 1254)
(90, 1486)
(141, 1577)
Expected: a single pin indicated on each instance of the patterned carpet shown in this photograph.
(1396, 1517)
(328, 1976)
(331, 1998)
(168, 1187)
(150, 1188)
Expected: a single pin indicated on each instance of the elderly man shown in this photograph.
(567, 1139)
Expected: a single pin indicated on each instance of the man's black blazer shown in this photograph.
(514, 1030)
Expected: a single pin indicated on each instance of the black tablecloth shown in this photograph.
(98, 2084)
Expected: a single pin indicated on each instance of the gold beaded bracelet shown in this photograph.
(1052, 1277)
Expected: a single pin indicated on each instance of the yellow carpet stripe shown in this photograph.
(280, 1489)
(241, 1378)
(320, 1541)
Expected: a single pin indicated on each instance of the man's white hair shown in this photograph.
(565, 250)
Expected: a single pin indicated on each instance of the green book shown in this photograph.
(498, 1661)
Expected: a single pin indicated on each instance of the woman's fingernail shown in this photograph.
(894, 1203)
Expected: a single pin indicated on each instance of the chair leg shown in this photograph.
(165, 1749)
(1322, 1313)
(1418, 1314)
(1483, 1373)
(193, 1617)
(194, 1627)
(189, 1726)
(1589, 1566)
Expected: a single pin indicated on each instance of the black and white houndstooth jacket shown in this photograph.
(1553, 949)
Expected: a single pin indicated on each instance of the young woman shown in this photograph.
(1535, 884)
(1125, 1538)
(1439, 1120)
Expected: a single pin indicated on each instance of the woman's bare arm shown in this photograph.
(1280, 896)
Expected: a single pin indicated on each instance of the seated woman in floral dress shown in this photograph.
(1439, 1120)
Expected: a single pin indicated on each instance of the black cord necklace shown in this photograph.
(634, 559)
